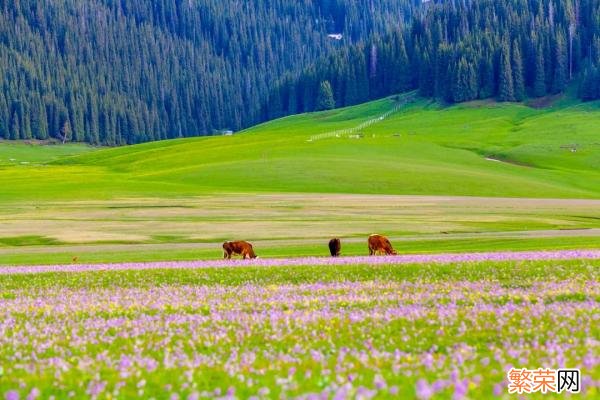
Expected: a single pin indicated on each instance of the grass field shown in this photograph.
(354, 331)
(286, 225)
(478, 177)
(551, 153)
(406, 176)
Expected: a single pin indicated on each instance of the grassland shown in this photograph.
(37, 153)
(355, 331)
(476, 177)
(285, 225)
(438, 151)
(404, 176)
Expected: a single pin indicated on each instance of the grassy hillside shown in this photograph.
(13, 153)
(273, 185)
(423, 149)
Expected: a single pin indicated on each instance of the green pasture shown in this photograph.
(287, 225)
(45, 255)
(423, 149)
(424, 176)
(36, 153)
(475, 149)
(508, 273)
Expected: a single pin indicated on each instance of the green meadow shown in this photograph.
(475, 177)
(282, 332)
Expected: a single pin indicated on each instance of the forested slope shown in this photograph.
(126, 71)
(458, 51)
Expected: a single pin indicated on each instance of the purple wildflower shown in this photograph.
(423, 390)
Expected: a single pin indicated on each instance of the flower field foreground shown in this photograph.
(329, 261)
(346, 331)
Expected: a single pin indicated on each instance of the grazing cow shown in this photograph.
(240, 247)
(335, 245)
(380, 244)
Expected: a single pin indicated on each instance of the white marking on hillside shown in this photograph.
(402, 101)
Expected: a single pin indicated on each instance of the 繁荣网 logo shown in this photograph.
(543, 380)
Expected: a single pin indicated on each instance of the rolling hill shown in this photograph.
(475, 149)
(289, 184)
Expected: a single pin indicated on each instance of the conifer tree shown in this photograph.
(325, 99)
(589, 88)
(560, 64)
(486, 78)
(15, 127)
(517, 70)
(404, 77)
(292, 107)
(539, 84)
(465, 82)
(426, 77)
(506, 91)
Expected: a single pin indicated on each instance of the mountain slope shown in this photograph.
(458, 51)
(129, 71)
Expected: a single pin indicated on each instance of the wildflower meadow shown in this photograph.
(348, 328)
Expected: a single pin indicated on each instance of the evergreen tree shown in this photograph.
(426, 77)
(539, 84)
(292, 107)
(506, 91)
(517, 70)
(15, 127)
(3, 126)
(465, 82)
(325, 99)
(589, 88)
(402, 68)
(39, 122)
(560, 64)
(351, 95)
(275, 106)
(486, 78)
(26, 129)
(443, 73)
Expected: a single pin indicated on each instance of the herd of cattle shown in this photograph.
(377, 244)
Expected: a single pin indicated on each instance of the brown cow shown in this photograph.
(335, 245)
(240, 247)
(380, 244)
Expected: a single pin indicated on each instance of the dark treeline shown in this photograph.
(127, 71)
(461, 50)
